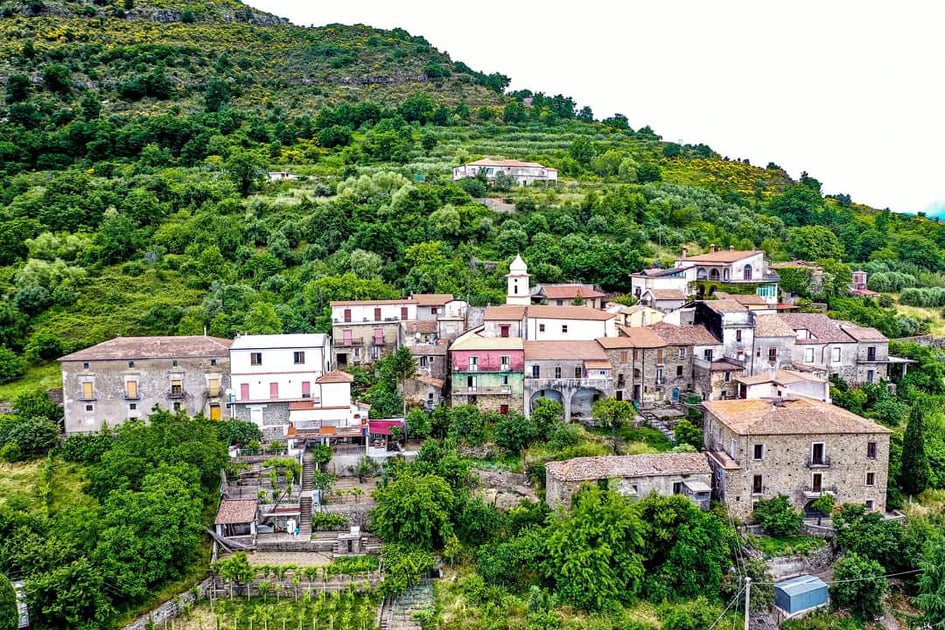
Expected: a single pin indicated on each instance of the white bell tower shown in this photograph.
(519, 292)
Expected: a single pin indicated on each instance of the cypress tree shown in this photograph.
(914, 477)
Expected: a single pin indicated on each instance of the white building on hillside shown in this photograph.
(268, 372)
(524, 173)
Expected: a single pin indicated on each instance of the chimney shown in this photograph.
(731, 248)
(712, 248)
(685, 252)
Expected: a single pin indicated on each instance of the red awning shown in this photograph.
(383, 427)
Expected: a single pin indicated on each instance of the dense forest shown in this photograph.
(136, 140)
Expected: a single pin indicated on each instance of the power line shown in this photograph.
(734, 599)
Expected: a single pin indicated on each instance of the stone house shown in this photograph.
(673, 279)
(772, 345)
(124, 378)
(634, 476)
(855, 354)
(801, 448)
(271, 371)
(575, 373)
(637, 357)
(733, 268)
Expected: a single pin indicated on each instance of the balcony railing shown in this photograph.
(812, 492)
(175, 394)
(818, 462)
(759, 491)
(473, 391)
(134, 396)
(602, 384)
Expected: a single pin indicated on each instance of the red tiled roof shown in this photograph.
(432, 299)
(234, 511)
(335, 376)
(569, 291)
(684, 335)
(504, 312)
(625, 466)
(722, 256)
(539, 311)
(552, 350)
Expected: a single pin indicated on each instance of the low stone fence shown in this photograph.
(789, 566)
(172, 608)
(217, 589)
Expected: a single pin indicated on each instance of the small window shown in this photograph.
(213, 362)
(423, 361)
(298, 357)
(738, 335)
(564, 328)
(809, 355)
(473, 364)
(131, 389)
(836, 355)
(255, 358)
(659, 355)
(131, 364)
(870, 479)
(679, 371)
(871, 450)
(623, 356)
(133, 406)
(772, 355)
(213, 385)
(541, 328)
(578, 371)
(557, 371)
(505, 380)
(536, 371)
(504, 330)
(85, 366)
(757, 485)
(89, 408)
(177, 387)
(870, 504)
(682, 353)
(759, 451)
(174, 363)
(177, 406)
(728, 377)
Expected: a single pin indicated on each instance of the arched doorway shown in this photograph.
(747, 273)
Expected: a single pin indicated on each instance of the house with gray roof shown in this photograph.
(634, 476)
(125, 377)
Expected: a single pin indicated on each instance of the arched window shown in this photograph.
(714, 274)
(700, 275)
(747, 274)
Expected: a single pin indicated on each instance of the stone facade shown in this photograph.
(124, 378)
(798, 448)
(365, 342)
(634, 476)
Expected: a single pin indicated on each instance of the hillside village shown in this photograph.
(320, 327)
(749, 370)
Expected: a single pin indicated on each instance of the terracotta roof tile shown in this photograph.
(432, 299)
(643, 337)
(568, 291)
(509, 312)
(801, 416)
(649, 465)
(335, 376)
(863, 334)
(823, 329)
(553, 350)
(772, 326)
(684, 335)
(121, 348)
(234, 511)
(666, 294)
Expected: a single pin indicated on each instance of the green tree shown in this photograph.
(238, 432)
(547, 414)
(467, 425)
(858, 584)
(688, 433)
(814, 242)
(419, 424)
(593, 552)
(916, 471)
(70, 596)
(931, 584)
(695, 615)
(777, 516)
(246, 168)
(9, 614)
(11, 365)
(414, 510)
(514, 432)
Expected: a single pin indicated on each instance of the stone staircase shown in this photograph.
(654, 421)
(397, 613)
(305, 500)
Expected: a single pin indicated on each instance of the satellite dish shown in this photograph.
(228, 392)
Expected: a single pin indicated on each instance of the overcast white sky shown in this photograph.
(850, 91)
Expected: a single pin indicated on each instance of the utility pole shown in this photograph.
(747, 599)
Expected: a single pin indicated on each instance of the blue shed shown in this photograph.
(799, 594)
